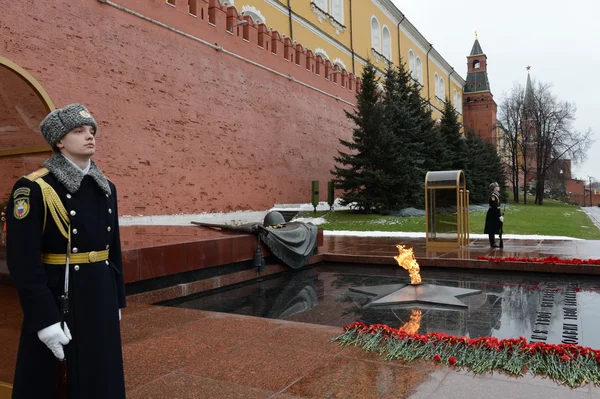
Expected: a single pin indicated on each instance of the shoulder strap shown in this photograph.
(33, 176)
(53, 203)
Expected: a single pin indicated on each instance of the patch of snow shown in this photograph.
(315, 221)
(322, 206)
(235, 218)
(422, 235)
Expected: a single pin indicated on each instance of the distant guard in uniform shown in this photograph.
(66, 213)
(494, 218)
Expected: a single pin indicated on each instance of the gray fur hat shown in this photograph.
(494, 185)
(61, 121)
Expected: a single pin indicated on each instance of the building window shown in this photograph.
(419, 70)
(411, 64)
(322, 4)
(337, 10)
(455, 99)
(386, 42)
(442, 94)
(436, 84)
(375, 34)
(476, 64)
(457, 102)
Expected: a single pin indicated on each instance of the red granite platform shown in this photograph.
(180, 353)
(184, 353)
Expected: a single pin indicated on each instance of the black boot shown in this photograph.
(492, 241)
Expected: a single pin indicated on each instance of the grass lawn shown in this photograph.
(552, 218)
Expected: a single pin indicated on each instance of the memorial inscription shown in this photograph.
(558, 307)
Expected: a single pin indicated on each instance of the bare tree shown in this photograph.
(510, 123)
(528, 137)
(555, 137)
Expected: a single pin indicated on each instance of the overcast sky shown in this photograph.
(560, 40)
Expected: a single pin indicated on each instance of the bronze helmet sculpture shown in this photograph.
(273, 218)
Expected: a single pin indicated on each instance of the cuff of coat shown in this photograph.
(40, 313)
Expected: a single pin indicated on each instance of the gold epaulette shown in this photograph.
(33, 176)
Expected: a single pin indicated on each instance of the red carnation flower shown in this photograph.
(565, 358)
(437, 357)
(452, 360)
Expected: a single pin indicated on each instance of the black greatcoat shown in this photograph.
(492, 219)
(97, 291)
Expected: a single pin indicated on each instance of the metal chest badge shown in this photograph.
(21, 208)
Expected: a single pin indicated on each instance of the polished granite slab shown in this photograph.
(550, 308)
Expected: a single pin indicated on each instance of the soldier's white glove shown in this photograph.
(54, 338)
(502, 219)
(119, 314)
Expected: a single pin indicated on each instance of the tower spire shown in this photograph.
(476, 50)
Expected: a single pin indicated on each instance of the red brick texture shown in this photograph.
(183, 128)
(480, 115)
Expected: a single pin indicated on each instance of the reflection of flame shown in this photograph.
(406, 259)
(412, 326)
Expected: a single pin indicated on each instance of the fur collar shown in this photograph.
(71, 178)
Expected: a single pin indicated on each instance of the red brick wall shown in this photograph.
(579, 198)
(575, 186)
(480, 115)
(183, 128)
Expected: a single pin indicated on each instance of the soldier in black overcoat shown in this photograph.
(68, 206)
(493, 218)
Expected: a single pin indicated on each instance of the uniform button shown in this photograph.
(73, 213)
(109, 210)
(68, 196)
(106, 262)
(107, 246)
(106, 195)
(76, 267)
(108, 228)
(74, 231)
(75, 250)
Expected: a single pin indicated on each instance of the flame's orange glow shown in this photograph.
(406, 259)
(412, 326)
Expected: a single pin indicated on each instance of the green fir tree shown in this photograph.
(402, 131)
(422, 145)
(360, 172)
(483, 167)
(394, 145)
(455, 154)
